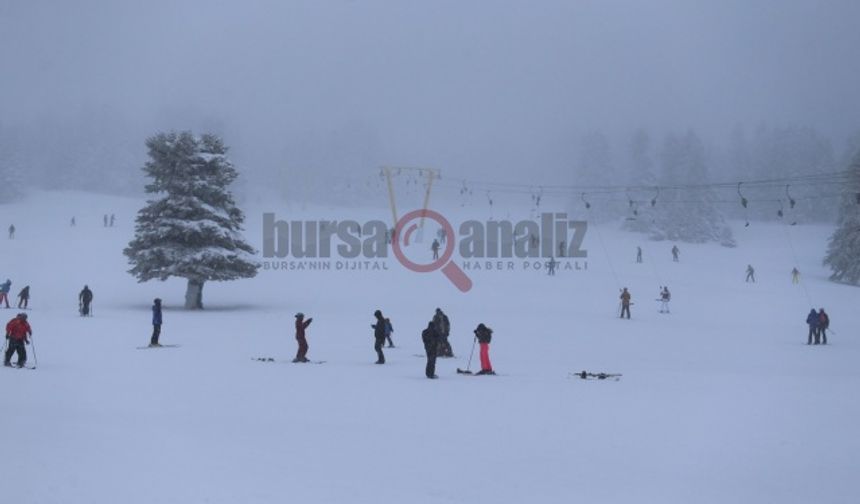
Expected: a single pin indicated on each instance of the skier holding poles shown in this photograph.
(85, 298)
(18, 331)
(301, 326)
(625, 303)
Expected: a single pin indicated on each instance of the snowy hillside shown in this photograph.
(720, 401)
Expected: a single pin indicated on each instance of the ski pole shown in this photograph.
(33, 345)
(469, 365)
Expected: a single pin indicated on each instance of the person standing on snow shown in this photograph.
(795, 276)
(85, 298)
(301, 326)
(17, 333)
(639, 255)
(12, 232)
(156, 322)
(823, 325)
(24, 297)
(431, 345)
(812, 321)
(665, 297)
(379, 336)
(675, 253)
(389, 330)
(484, 335)
(112, 220)
(5, 287)
(443, 329)
(625, 302)
(750, 274)
(550, 266)
(435, 249)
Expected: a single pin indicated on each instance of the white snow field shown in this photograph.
(721, 401)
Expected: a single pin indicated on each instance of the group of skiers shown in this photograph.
(819, 323)
(23, 295)
(434, 338)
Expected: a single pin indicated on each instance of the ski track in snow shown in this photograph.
(721, 401)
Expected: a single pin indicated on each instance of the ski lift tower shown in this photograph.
(431, 174)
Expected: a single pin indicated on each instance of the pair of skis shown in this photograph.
(272, 359)
(585, 375)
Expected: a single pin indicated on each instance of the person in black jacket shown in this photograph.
(85, 298)
(823, 325)
(379, 336)
(24, 297)
(484, 335)
(812, 321)
(156, 322)
(431, 344)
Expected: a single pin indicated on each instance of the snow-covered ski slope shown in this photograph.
(721, 401)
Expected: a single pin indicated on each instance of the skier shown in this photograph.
(484, 335)
(561, 249)
(17, 332)
(639, 255)
(24, 297)
(156, 322)
(812, 321)
(379, 336)
(750, 273)
(665, 297)
(301, 325)
(435, 248)
(389, 329)
(431, 343)
(12, 231)
(675, 253)
(795, 276)
(443, 329)
(84, 300)
(550, 267)
(823, 325)
(5, 287)
(625, 303)
(112, 220)
(73, 223)
(105, 220)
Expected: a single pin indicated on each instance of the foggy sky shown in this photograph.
(475, 88)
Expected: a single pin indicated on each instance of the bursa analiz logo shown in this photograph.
(425, 241)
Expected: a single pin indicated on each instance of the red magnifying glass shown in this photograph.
(403, 232)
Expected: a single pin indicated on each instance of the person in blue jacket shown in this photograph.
(812, 320)
(156, 322)
(5, 287)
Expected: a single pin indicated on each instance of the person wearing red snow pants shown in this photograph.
(301, 325)
(484, 334)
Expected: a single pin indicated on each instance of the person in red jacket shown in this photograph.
(17, 332)
(301, 325)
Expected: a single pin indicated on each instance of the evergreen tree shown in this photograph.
(843, 251)
(687, 214)
(192, 229)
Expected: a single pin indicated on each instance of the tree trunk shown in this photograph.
(194, 295)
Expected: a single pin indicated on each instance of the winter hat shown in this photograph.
(300, 315)
(157, 300)
(22, 316)
(377, 313)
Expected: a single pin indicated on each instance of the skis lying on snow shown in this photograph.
(595, 376)
(272, 359)
(147, 347)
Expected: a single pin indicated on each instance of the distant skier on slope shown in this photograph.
(665, 297)
(12, 232)
(5, 287)
(676, 252)
(484, 335)
(431, 345)
(379, 336)
(156, 322)
(625, 302)
(435, 249)
(550, 266)
(85, 298)
(812, 321)
(795, 276)
(301, 326)
(24, 297)
(639, 255)
(750, 274)
(17, 332)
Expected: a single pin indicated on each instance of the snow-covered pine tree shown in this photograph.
(640, 213)
(684, 213)
(192, 229)
(843, 250)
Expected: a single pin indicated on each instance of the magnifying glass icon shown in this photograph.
(403, 232)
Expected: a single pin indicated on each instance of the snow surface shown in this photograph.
(721, 401)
